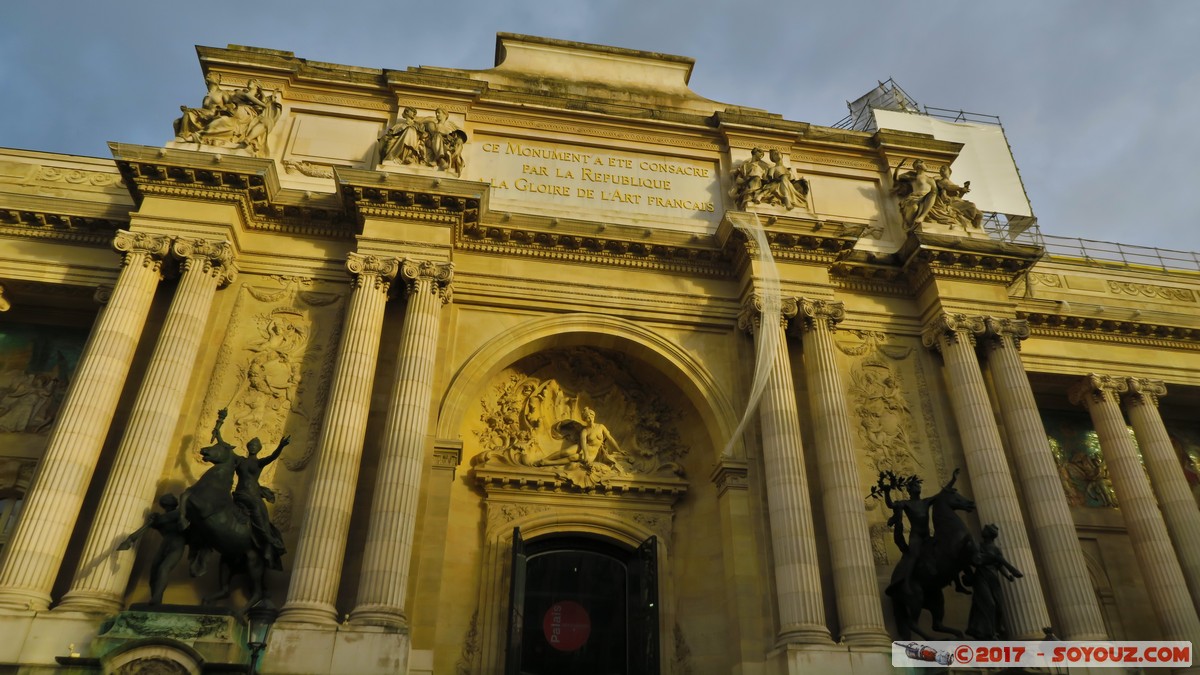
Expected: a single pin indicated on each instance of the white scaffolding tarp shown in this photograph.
(985, 159)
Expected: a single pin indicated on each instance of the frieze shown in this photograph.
(51, 174)
(671, 140)
(835, 160)
(367, 103)
(1045, 279)
(569, 247)
(1151, 291)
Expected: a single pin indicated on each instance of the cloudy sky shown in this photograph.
(1100, 98)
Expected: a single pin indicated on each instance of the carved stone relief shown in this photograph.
(1150, 291)
(435, 142)
(470, 650)
(772, 183)
(240, 119)
(578, 418)
(885, 421)
(272, 374)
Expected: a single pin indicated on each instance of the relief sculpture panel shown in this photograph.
(578, 418)
(272, 375)
(36, 365)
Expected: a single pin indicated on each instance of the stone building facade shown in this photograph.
(510, 321)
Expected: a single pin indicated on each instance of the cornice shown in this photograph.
(1111, 330)
(249, 183)
(75, 229)
(379, 194)
(592, 248)
(928, 256)
(821, 242)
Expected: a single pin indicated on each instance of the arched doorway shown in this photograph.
(582, 605)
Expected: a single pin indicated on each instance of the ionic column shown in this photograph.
(398, 481)
(1166, 476)
(793, 542)
(995, 495)
(1067, 579)
(34, 553)
(317, 567)
(99, 583)
(855, 586)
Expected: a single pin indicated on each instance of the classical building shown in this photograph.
(497, 333)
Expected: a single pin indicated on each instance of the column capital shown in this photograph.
(1144, 391)
(215, 257)
(1002, 332)
(830, 312)
(951, 328)
(751, 315)
(374, 270)
(438, 275)
(1097, 388)
(150, 248)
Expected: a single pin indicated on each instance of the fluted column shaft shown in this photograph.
(995, 494)
(1067, 579)
(35, 551)
(793, 541)
(317, 567)
(1166, 476)
(1151, 544)
(855, 586)
(398, 483)
(100, 579)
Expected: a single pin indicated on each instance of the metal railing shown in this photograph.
(1093, 251)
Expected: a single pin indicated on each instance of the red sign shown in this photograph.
(567, 626)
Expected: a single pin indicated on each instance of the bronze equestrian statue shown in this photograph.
(929, 562)
(214, 516)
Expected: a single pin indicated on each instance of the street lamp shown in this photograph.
(259, 617)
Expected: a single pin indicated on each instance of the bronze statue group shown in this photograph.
(933, 559)
(214, 515)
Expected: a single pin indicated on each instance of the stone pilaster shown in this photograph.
(317, 567)
(1151, 544)
(1067, 580)
(855, 586)
(995, 494)
(35, 551)
(793, 542)
(100, 580)
(1166, 476)
(398, 481)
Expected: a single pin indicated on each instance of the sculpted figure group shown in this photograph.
(924, 197)
(239, 118)
(757, 182)
(429, 141)
(214, 515)
(933, 558)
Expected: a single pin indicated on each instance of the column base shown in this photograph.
(89, 602)
(315, 613)
(796, 659)
(801, 636)
(384, 616)
(867, 640)
(335, 649)
(20, 599)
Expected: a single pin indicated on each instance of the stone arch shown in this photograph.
(579, 329)
(153, 656)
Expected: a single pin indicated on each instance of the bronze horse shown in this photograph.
(951, 552)
(213, 521)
